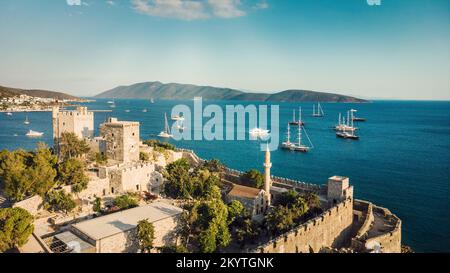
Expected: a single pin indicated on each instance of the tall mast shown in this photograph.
(300, 114)
(339, 119)
(288, 134)
(293, 115)
(299, 135)
(314, 109)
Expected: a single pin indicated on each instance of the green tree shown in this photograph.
(235, 209)
(280, 219)
(71, 172)
(97, 207)
(59, 201)
(311, 199)
(214, 165)
(42, 171)
(159, 144)
(23, 174)
(13, 174)
(146, 235)
(125, 202)
(71, 146)
(100, 158)
(144, 156)
(253, 178)
(247, 231)
(287, 199)
(16, 225)
(179, 183)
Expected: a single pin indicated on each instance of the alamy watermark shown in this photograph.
(230, 124)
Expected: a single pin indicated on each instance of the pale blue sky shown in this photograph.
(400, 49)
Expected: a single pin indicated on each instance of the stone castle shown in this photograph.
(345, 225)
(119, 141)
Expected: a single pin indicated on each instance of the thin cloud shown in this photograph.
(192, 9)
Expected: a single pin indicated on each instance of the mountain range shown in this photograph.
(6, 92)
(177, 91)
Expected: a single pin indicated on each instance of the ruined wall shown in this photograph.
(33, 204)
(330, 229)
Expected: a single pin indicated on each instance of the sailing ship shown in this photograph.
(32, 133)
(319, 113)
(299, 121)
(166, 133)
(26, 122)
(152, 100)
(344, 125)
(348, 130)
(296, 147)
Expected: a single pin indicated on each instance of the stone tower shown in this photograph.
(121, 140)
(267, 179)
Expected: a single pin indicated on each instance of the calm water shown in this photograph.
(402, 160)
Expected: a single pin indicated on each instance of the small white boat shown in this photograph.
(9, 114)
(112, 106)
(26, 122)
(127, 111)
(144, 110)
(32, 133)
(152, 100)
(166, 133)
(111, 102)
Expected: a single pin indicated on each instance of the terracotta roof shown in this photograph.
(244, 191)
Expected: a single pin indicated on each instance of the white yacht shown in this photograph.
(166, 133)
(26, 122)
(32, 133)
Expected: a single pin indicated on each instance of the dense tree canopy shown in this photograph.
(159, 144)
(23, 174)
(16, 225)
(205, 225)
(183, 184)
(146, 235)
(253, 178)
(125, 202)
(71, 146)
(71, 172)
(289, 209)
(59, 201)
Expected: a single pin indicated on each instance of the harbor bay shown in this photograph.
(400, 161)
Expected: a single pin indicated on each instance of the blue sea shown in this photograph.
(402, 160)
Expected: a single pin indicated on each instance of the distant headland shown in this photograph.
(172, 91)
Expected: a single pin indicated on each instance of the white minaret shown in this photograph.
(267, 179)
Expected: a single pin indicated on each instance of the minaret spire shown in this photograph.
(267, 178)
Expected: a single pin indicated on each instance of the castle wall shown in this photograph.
(330, 229)
(121, 140)
(79, 122)
(33, 205)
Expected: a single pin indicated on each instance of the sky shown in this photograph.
(399, 49)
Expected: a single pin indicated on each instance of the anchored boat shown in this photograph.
(296, 147)
(299, 121)
(26, 122)
(319, 113)
(166, 133)
(32, 133)
(348, 130)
